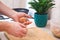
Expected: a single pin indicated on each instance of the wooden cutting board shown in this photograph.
(33, 34)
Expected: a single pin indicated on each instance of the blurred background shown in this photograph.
(53, 14)
(18, 4)
(23, 6)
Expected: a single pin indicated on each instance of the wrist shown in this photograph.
(4, 25)
(13, 15)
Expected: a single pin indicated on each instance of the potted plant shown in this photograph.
(41, 7)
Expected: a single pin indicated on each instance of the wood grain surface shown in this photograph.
(33, 34)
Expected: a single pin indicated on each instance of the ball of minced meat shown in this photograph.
(23, 19)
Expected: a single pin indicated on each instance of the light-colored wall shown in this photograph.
(8, 3)
(19, 3)
(15, 3)
(55, 16)
(23, 3)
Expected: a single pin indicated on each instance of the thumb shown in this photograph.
(28, 16)
(24, 26)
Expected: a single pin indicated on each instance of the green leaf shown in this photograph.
(41, 6)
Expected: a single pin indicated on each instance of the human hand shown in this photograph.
(16, 29)
(16, 17)
(24, 20)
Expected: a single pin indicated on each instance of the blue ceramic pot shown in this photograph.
(40, 20)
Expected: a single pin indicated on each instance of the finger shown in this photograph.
(27, 23)
(22, 35)
(28, 16)
(22, 25)
(24, 30)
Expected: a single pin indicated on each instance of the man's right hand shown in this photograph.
(16, 29)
